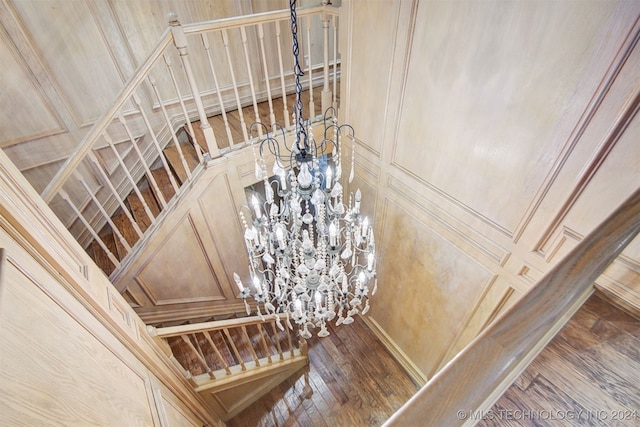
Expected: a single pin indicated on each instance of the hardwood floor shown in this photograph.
(351, 380)
(588, 375)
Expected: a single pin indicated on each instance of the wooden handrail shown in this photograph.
(216, 325)
(464, 384)
(87, 143)
(258, 18)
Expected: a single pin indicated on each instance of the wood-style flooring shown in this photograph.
(351, 380)
(588, 375)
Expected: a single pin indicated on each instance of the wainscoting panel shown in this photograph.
(474, 116)
(184, 272)
(426, 287)
(39, 335)
(85, 92)
(27, 100)
(186, 269)
(497, 154)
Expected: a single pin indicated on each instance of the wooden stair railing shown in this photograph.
(471, 382)
(118, 167)
(142, 206)
(217, 355)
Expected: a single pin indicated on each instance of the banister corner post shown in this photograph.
(326, 91)
(180, 42)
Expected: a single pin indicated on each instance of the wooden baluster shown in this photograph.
(287, 122)
(275, 336)
(251, 349)
(207, 335)
(167, 120)
(335, 62)
(154, 138)
(199, 356)
(302, 344)
(97, 238)
(225, 41)
(105, 179)
(272, 116)
(128, 175)
(234, 349)
(326, 91)
(205, 42)
(312, 107)
(143, 162)
(264, 343)
(291, 349)
(166, 349)
(201, 353)
(176, 88)
(180, 41)
(104, 213)
(245, 48)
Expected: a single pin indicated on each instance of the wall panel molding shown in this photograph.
(188, 229)
(32, 59)
(613, 72)
(588, 172)
(452, 224)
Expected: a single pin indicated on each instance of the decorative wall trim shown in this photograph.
(593, 165)
(619, 295)
(30, 60)
(453, 201)
(446, 354)
(525, 273)
(490, 249)
(3, 267)
(57, 105)
(499, 307)
(566, 235)
(629, 110)
(368, 166)
(28, 138)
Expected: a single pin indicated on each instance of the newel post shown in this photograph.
(326, 92)
(180, 42)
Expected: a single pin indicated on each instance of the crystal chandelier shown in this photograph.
(311, 254)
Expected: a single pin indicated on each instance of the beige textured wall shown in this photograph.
(487, 147)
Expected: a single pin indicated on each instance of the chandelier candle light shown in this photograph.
(311, 256)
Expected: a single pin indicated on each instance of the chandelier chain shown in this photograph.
(301, 133)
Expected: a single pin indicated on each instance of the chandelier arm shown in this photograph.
(255, 125)
(347, 125)
(332, 116)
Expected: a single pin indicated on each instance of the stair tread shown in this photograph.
(176, 164)
(164, 183)
(137, 208)
(100, 256)
(128, 232)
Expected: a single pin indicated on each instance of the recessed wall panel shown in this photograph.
(72, 47)
(482, 102)
(426, 287)
(29, 116)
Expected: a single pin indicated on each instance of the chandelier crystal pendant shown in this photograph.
(311, 253)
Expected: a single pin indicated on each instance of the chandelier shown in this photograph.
(311, 252)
